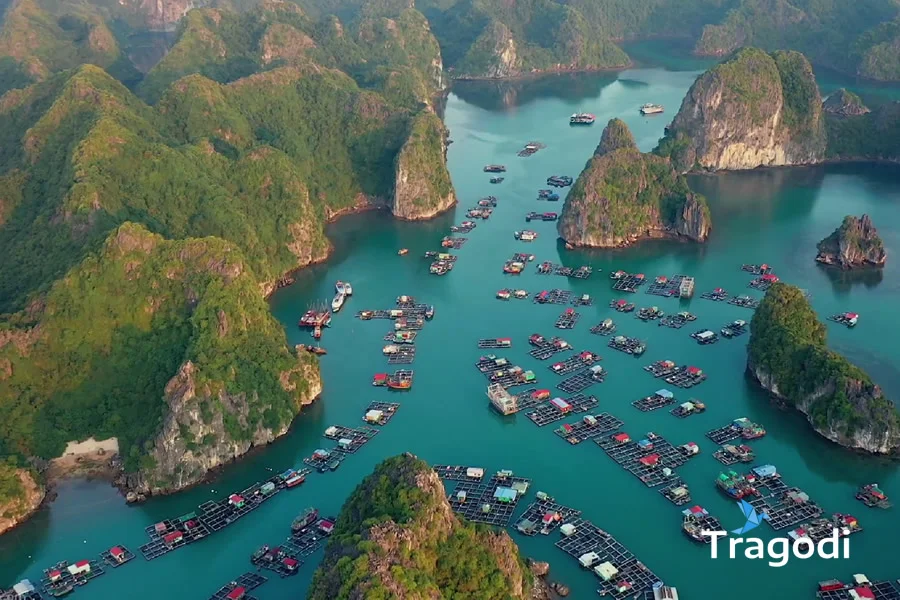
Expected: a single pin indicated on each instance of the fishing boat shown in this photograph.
(496, 179)
(520, 294)
(340, 287)
(294, 480)
(260, 552)
(348, 289)
(390, 349)
(429, 312)
(734, 485)
(872, 496)
(526, 235)
(651, 109)
(337, 302)
(494, 169)
(504, 294)
(403, 251)
(304, 520)
(317, 350)
(582, 119)
(317, 333)
(402, 384)
(693, 528)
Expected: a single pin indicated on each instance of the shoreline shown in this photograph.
(539, 74)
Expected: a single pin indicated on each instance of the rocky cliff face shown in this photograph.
(844, 104)
(164, 14)
(852, 245)
(788, 356)
(751, 111)
(404, 541)
(422, 186)
(18, 507)
(623, 196)
(196, 436)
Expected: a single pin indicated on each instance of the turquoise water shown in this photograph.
(773, 216)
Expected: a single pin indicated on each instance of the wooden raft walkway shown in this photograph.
(248, 581)
(532, 520)
(588, 428)
(476, 502)
(658, 455)
(547, 412)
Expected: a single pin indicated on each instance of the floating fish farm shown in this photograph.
(588, 428)
(646, 459)
(246, 582)
(492, 502)
(556, 409)
(582, 380)
(544, 516)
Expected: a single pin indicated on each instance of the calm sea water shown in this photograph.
(774, 216)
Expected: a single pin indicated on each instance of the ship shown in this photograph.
(340, 287)
(348, 289)
(651, 109)
(304, 520)
(337, 302)
(582, 119)
(494, 169)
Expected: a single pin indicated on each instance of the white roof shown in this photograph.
(567, 529)
(23, 587)
(860, 579)
(374, 415)
(606, 570)
(474, 472)
(331, 430)
(588, 558)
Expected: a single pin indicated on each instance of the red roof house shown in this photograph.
(237, 593)
(651, 460)
(864, 593)
(622, 438)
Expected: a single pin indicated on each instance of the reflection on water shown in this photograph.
(842, 280)
(507, 94)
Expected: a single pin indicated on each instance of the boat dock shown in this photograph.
(246, 582)
(668, 287)
(117, 556)
(63, 577)
(492, 502)
(717, 295)
(567, 319)
(575, 363)
(655, 401)
(744, 302)
(325, 460)
(589, 427)
(555, 296)
(350, 439)
(627, 345)
(607, 327)
(653, 459)
(582, 272)
(676, 492)
(278, 559)
(380, 413)
(556, 409)
(582, 380)
(613, 563)
(544, 516)
(734, 329)
(763, 282)
(677, 321)
(495, 343)
(786, 506)
(629, 283)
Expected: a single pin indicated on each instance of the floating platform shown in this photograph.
(662, 368)
(247, 581)
(491, 343)
(744, 302)
(881, 590)
(492, 502)
(667, 287)
(305, 542)
(401, 337)
(405, 355)
(763, 283)
(556, 409)
(583, 300)
(653, 459)
(655, 401)
(58, 578)
(458, 473)
(629, 283)
(622, 306)
(567, 319)
(686, 377)
(699, 519)
(730, 454)
(762, 269)
(217, 515)
(190, 527)
(582, 272)
(544, 348)
(582, 380)
(325, 460)
(544, 516)
(734, 329)
(387, 410)
(704, 337)
(592, 546)
(555, 296)
(500, 371)
(350, 439)
(124, 555)
(575, 363)
(547, 268)
(628, 345)
(676, 321)
(607, 327)
(676, 492)
(687, 409)
(786, 506)
(739, 428)
(588, 428)
(277, 559)
(717, 295)
(453, 242)
(463, 228)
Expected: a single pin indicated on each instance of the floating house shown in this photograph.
(117, 554)
(23, 588)
(686, 289)
(505, 495)
(588, 559)
(606, 571)
(79, 568)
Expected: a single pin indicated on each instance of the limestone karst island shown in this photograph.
(449, 299)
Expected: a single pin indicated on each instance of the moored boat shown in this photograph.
(651, 109)
(872, 496)
(304, 519)
(582, 119)
(337, 302)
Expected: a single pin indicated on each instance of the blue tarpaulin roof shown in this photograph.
(665, 394)
(504, 494)
(765, 470)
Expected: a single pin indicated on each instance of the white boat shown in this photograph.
(348, 289)
(651, 109)
(337, 303)
(340, 287)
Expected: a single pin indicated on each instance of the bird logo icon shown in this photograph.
(754, 519)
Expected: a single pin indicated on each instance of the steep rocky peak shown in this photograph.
(615, 135)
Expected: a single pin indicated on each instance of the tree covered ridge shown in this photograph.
(397, 537)
(788, 353)
(94, 358)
